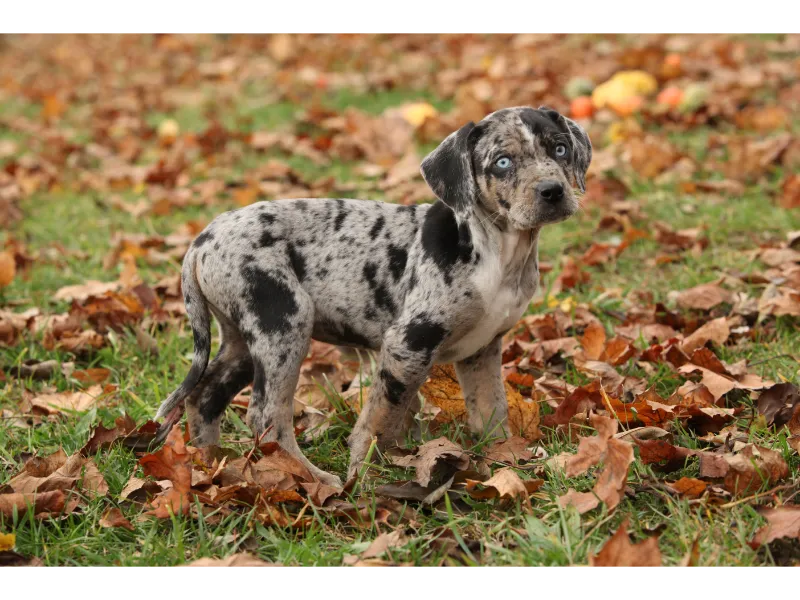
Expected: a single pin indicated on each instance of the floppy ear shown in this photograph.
(581, 146)
(448, 171)
(581, 152)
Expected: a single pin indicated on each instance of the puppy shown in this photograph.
(425, 284)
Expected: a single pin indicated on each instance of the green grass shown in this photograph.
(82, 222)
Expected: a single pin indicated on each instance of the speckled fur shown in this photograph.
(423, 284)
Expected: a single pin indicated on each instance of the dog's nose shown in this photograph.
(550, 191)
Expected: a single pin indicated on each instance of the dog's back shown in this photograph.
(350, 256)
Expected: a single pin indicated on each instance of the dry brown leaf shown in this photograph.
(782, 522)
(172, 462)
(689, 487)
(616, 456)
(113, 517)
(504, 484)
(703, 297)
(243, 559)
(385, 541)
(593, 341)
(433, 458)
(778, 403)
(753, 468)
(509, 451)
(46, 503)
(86, 290)
(64, 402)
(59, 472)
(716, 331)
(620, 552)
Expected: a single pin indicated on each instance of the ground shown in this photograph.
(82, 131)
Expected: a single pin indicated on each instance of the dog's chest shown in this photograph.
(498, 281)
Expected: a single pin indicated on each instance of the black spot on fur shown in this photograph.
(397, 261)
(383, 299)
(203, 238)
(266, 218)
(370, 274)
(269, 299)
(216, 245)
(444, 241)
(301, 204)
(258, 398)
(342, 334)
(394, 387)
(267, 239)
(340, 216)
(377, 227)
(298, 262)
(222, 392)
(424, 335)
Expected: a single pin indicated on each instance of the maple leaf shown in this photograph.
(782, 521)
(616, 456)
(173, 462)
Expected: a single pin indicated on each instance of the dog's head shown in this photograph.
(520, 164)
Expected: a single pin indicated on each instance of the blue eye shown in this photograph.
(503, 163)
(561, 150)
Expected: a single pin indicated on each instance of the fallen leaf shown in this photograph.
(618, 551)
(59, 472)
(752, 468)
(504, 484)
(689, 487)
(433, 458)
(13, 559)
(716, 331)
(172, 462)
(782, 522)
(616, 456)
(778, 403)
(65, 402)
(703, 297)
(113, 517)
(509, 451)
(244, 559)
(48, 503)
(7, 541)
(385, 541)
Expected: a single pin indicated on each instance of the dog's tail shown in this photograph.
(200, 321)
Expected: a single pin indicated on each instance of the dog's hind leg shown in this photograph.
(278, 350)
(229, 372)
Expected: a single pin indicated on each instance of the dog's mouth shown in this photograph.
(537, 213)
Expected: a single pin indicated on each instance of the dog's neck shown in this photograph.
(517, 249)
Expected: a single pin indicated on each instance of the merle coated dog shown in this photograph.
(425, 284)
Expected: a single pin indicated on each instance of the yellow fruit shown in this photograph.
(622, 86)
(626, 105)
(417, 112)
(168, 130)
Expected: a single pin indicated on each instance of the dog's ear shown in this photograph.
(581, 145)
(581, 152)
(448, 171)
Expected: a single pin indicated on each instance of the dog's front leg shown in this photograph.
(393, 400)
(480, 376)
